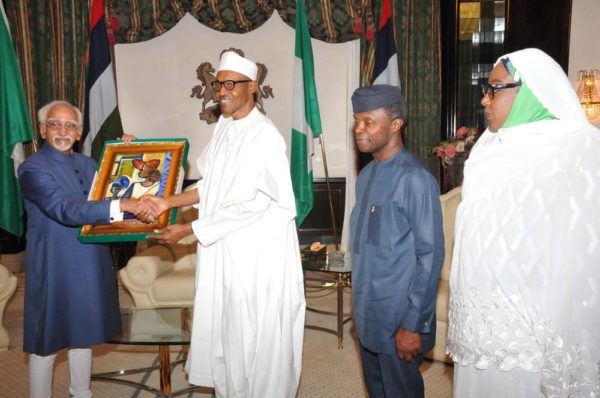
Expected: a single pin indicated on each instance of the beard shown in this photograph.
(62, 143)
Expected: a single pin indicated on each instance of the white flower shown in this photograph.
(460, 146)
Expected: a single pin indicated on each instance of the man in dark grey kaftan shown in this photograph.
(397, 247)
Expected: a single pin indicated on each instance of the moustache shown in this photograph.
(64, 138)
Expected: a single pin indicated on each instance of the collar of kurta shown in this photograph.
(54, 154)
(244, 122)
(401, 153)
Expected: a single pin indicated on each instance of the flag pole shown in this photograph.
(335, 234)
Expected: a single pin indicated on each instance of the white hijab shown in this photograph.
(525, 282)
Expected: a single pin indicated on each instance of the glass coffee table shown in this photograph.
(163, 327)
(339, 266)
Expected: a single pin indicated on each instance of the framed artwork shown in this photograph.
(143, 167)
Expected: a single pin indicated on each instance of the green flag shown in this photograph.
(15, 128)
(306, 119)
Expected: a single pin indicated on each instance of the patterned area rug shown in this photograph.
(328, 372)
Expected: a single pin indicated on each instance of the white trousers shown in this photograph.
(41, 370)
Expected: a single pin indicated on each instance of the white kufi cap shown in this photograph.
(230, 60)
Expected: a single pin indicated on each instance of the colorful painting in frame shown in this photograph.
(143, 167)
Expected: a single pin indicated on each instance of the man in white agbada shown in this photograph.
(249, 305)
(524, 315)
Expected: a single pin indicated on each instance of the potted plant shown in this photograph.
(452, 154)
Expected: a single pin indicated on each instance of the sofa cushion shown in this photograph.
(175, 286)
(441, 305)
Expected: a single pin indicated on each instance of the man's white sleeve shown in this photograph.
(115, 211)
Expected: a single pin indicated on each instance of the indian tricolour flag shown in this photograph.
(15, 128)
(306, 119)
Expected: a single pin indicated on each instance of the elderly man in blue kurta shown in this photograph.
(70, 293)
(397, 249)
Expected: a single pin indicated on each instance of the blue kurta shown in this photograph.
(397, 252)
(70, 292)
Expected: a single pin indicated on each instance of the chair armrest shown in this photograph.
(8, 284)
(147, 266)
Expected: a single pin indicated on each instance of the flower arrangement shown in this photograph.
(458, 147)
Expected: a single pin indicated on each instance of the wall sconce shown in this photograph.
(587, 93)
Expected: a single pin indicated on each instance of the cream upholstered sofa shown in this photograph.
(449, 202)
(163, 275)
(8, 285)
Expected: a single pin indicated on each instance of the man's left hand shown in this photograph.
(173, 233)
(408, 344)
(128, 138)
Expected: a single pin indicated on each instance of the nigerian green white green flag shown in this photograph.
(15, 128)
(306, 119)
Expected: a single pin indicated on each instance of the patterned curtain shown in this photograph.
(419, 57)
(139, 20)
(51, 39)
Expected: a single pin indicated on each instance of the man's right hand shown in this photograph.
(132, 206)
(151, 206)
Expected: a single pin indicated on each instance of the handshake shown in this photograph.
(146, 209)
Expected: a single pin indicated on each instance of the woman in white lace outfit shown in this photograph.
(525, 285)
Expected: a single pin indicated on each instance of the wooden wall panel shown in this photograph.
(545, 24)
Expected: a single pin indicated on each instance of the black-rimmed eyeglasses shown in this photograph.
(228, 84)
(490, 89)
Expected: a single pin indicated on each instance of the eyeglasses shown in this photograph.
(490, 89)
(55, 125)
(228, 84)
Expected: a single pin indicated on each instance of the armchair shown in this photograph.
(449, 202)
(8, 285)
(163, 275)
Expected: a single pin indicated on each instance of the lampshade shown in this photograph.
(587, 93)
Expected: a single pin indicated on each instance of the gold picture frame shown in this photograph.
(142, 167)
